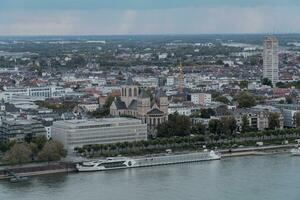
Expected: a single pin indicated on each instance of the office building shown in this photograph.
(201, 98)
(42, 92)
(19, 130)
(270, 59)
(77, 133)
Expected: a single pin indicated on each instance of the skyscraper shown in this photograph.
(270, 56)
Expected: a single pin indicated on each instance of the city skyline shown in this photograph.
(144, 17)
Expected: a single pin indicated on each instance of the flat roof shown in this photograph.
(93, 122)
(20, 122)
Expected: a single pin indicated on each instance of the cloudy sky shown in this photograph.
(106, 17)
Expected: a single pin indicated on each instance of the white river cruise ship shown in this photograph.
(123, 162)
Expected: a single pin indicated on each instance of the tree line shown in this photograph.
(38, 149)
(179, 125)
(191, 142)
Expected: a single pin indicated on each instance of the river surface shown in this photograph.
(275, 177)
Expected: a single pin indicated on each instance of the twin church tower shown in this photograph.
(136, 102)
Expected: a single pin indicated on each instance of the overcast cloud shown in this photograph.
(105, 17)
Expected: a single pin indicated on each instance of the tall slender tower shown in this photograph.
(270, 57)
(181, 79)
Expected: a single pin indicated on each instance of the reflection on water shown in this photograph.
(247, 178)
(53, 180)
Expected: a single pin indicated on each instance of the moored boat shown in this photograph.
(295, 151)
(122, 163)
(108, 164)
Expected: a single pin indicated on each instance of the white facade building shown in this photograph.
(180, 109)
(89, 107)
(147, 81)
(77, 133)
(201, 98)
(45, 92)
(170, 81)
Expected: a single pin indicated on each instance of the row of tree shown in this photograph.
(179, 125)
(38, 150)
(194, 142)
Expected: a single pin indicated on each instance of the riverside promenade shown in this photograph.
(34, 169)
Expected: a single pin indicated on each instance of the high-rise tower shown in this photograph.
(270, 58)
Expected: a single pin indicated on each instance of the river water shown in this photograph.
(275, 177)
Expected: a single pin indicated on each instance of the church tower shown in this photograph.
(129, 91)
(163, 101)
(143, 106)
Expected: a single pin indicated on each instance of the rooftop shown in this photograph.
(97, 122)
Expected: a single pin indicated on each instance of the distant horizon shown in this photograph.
(154, 34)
(135, 17)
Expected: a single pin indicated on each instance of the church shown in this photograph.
(134, 102)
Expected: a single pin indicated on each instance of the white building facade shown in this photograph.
(77, 133)
(45, 92)
(201, 98)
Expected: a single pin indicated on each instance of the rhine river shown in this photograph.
(274, 177)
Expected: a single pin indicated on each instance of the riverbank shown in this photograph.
(69, 167)
(263, 150)
(37, 169)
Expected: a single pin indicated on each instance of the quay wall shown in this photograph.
(37, 169)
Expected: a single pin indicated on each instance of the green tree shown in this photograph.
(274, 121)
(4, 146)
(223, 110)
(177, 125)
(34, 149)
(196, 114)
(243, 84)
(266, 81)
(18, 154)
(215, 126)
(219, 62)
(245, 124)
(40, 141)
(108, 102)
(198, 129)
(253, 61)
(105, 110)
(52, 151)
(207, 113)
(222, 99)
(245, 100)
(281, 85)
(165, 130)
(229, 125)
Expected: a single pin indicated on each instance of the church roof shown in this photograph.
(120, 104)
(129, 81)
(133, 105)
(11, 108)
(160, 93)
(155, 111)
